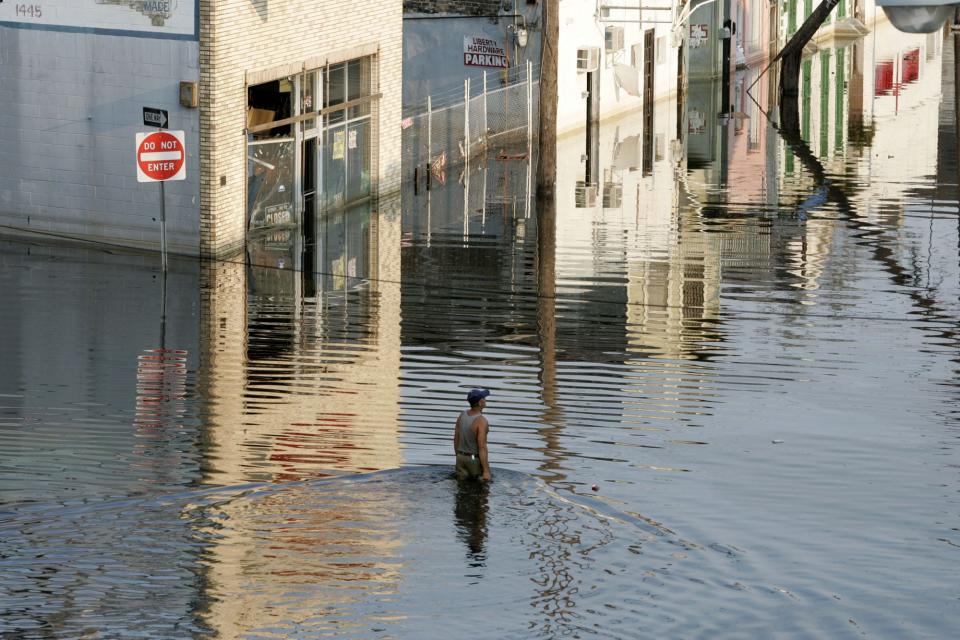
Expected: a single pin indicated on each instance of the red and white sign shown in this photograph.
(161, 156)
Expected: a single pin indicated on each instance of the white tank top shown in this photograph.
(467, 441)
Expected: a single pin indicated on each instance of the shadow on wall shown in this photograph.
(261, 7)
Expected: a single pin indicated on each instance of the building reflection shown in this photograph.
(301, 557)
(301, 369)
(851, 78)
(302, 356)
(624, 247)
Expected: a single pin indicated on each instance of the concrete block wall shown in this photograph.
(71, 107)
(241, 37)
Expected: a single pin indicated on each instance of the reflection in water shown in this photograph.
(747, 343)
(381, 554)
(299, 559)
(470, 514)
(304, 335)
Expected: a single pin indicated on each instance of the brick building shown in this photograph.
(289, 109)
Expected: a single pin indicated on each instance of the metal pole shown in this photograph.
(486, 144)
(466, 201)
(466, 160)
(429, 135)
(483, 201)
(163, 228)
(526, 208)
(466, 120)
(529, 105)
(163, 308)
(429, 161)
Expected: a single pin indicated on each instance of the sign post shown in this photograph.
(161, 156)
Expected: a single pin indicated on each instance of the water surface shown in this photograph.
(751, 351)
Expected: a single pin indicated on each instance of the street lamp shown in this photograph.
(917, 16)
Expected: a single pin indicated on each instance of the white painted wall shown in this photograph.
(72, 105)
(581, 24)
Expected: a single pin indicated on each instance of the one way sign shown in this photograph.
(155, 117)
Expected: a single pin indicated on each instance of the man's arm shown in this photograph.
(482, 428)
(456, 436)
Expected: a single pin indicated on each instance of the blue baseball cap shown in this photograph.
(476, 395)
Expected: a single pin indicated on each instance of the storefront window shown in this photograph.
(309, 146)
(270, 181)
(346, 154)
(336, 91)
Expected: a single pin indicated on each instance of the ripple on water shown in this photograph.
(402, 553)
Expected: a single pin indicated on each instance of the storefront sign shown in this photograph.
(163, 18)
(483, 52)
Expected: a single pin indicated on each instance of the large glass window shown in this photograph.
(332, 105)
(271, 156)
(346, 147)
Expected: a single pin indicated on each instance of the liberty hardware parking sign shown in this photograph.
(484, 52)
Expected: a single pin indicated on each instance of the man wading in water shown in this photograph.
(470, 438)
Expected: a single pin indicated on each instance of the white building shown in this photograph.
(615, 53)
(313, 85)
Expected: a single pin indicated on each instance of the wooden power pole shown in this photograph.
(547, 147)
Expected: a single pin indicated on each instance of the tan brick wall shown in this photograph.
(238, 37)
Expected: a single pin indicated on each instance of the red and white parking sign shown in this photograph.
(161, 156)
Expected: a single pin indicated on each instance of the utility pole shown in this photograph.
(547, 150)
(955, 28)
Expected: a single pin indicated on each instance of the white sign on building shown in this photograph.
(699, 34)
(483, 52)
(150, 17)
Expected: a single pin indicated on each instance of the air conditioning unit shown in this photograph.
(585, 195)
(588, 59)
(613, 38)
(612, 195)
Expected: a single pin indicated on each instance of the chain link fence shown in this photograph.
(450, 128)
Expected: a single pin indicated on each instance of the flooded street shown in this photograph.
(748, 345)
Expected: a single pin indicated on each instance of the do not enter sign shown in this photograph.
(161, 156)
